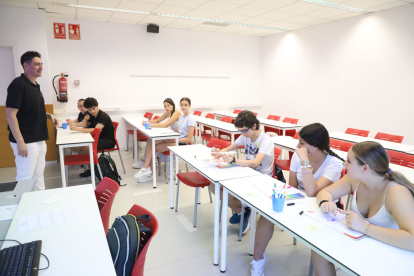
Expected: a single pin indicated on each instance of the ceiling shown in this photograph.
(284, 14)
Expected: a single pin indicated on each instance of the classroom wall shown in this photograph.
(355, 72)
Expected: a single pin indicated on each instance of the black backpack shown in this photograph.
(108, 169)
(279, 174)
(126, 239)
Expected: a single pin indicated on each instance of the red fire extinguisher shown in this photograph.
(63, 88)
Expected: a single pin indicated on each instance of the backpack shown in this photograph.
(126, 239)
(279, 174)
(108, 169)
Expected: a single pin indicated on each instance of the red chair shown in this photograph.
(197, 113)
(105, 195)
(137, 211)
(271, 129)
(358, 132)
(116, 146)
(205, 129)
(196, 180)
(84, 159)
(276, 154)
(389, 137)
(220, 135)
(236, 111)
(255, 113)
(147, 115)
(398, 158)
(340, 145)
(288, 132)
(155, 118)
(296, 136)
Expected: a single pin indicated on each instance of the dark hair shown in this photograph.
(171, 102)
(81, 100)
(376, 157)
(90, 102)
(246, 118)
(186, 99)
(28, 56)
(317, 135)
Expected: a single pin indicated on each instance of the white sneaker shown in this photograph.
(143, 172)
(145, 178)
(138, 165)
(258, 266)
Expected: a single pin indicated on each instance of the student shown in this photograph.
(96, 119)
(83, 112)
(172, 123)
(259, 156)
(186, 124)
(314, 166)
(382, 206)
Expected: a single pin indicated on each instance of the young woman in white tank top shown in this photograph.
(383, 200)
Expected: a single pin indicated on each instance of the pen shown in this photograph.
(295, 203)
(298, 216)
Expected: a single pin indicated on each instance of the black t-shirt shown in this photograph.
(105, 120)
(82, 116)
(28, 99)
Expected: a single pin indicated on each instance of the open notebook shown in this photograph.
(336, 223)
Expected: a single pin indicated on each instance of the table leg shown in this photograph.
(62, 166)
(224, 230)
(176, 160)
(154, 170)
(92, 165)
(252, 231)
(172, 180)
(216, 222)
(136, 145)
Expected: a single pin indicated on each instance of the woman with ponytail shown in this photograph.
(314, 166)
(383, 203)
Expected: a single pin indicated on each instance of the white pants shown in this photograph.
(33, 166)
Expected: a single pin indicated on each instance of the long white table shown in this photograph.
(288, 143)
(386, 144)
(74, 248)
(219, 125)
(189, 155)
(266, 122)
(364, 257)
(136, 123)
(65, 139)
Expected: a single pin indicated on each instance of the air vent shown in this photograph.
(216, 24)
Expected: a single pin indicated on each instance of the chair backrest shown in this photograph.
(290, 120)
(398, 158)
(340, 145)
(197, 113)
(137, 210)
(276, 154)
(105, 194)
(148, 115)
(296, 136)
(346, 146)
(226, 119)
(210, 116)
(273, 117)
(255, 113)
(95, 135)
(216, 143)
(236, 111)
(358, 132)
(389, 137)
(155, 117)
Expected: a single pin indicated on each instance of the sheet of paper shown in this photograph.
(218, 163)
(7, 212)
(47, 219)
(267, 189)
(313, 227)
(52, 200)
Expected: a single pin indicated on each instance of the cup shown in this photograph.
(278, 203)
(147, 125)
(64, 125)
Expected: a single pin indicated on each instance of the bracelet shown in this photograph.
(367, 229)
(306, 166)
(307, 172)
(323, 201)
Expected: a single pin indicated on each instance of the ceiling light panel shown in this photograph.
(334, 5)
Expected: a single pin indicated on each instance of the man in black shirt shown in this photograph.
(27, 119)
(96, 119)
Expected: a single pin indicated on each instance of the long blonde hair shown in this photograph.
(376, 157)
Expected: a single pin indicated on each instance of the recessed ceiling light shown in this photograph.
(334, 5)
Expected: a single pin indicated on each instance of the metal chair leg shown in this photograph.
(241, 223)
(310, 268)
(167, 170)
(209, 193)
(221, 208)
(294, 241)
(176, 199)
(100, 172)
(195, 207)
(127, 138)
(122, 162)
(237, 154)
(67, 175)
(186, 166)
(133, 150)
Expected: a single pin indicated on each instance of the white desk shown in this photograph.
(74, 248)
(266, 122)
(363, 257)
(214, 124)
(288, 143)
(386, 144)
(188, 154)
(65, 139)
(136, 122)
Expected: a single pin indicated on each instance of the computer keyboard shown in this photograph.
(20, 260)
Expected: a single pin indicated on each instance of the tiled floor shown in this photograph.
(176, 250)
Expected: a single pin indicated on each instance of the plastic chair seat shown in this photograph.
(284, 164)
(76, 159)
(193, 179)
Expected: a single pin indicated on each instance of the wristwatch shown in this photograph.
(304, 163)
(233, 161)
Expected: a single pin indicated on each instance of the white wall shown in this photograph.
(356, 72)
(6, 72)
(25, 28)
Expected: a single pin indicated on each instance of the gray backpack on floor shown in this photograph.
(108, 169)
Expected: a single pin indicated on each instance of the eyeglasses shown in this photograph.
(244, 131)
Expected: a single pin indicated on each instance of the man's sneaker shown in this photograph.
(143, 172)
(145, 178)
(85, 174)
(235, 219)
(138, 165)
(258, 266)
(246, 221)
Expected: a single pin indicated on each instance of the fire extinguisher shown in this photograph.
(63, 88)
